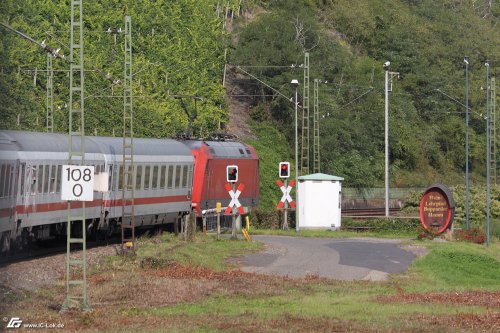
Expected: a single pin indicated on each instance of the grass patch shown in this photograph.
(359, 308)
(167, 248)
(458, 266)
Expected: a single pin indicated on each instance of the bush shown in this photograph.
(424, 233)
(383, 224)
(474, 235)
(262, 219)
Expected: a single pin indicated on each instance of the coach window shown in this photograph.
(32, 179)
(120, 178)
(154, 184)
(8, 180)
(170, 176)
(21, 178)
(2, 180)
(190, 176)
(177, 176)
(163, 171)
(147, 175)
(53, 176)
(129, 178)
(184, 176)
(110, 177)
(46, 180)
(58, 178)
(39, 178)
(138, 178)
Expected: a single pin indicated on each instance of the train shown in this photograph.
(171, 178)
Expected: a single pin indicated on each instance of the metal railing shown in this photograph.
(210, 220)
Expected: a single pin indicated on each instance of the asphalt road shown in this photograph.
(341, 259)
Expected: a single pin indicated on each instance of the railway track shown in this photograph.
(53, 247)
(368, 212)
(48, 248)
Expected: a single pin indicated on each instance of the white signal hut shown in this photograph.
(320, 197)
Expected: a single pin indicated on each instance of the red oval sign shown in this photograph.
(437, 208)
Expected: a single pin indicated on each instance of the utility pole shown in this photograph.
(493, 130)
(387, 90)
(50, 95)
(304, 160)
(316, 155)
(76, 153)
(386, 136)
(467, 223)
(128, 208)
(488, 153)
(295, 84)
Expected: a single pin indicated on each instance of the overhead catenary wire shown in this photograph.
(349, 103)
(42, 45)
(269, 66)
(55, 52)
(266, 84)
(458, 102)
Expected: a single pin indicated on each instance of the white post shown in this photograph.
(386, 67)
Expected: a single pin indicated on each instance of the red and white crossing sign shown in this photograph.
(234, 198)
(286, 193)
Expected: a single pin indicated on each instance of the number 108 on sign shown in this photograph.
(77, 183)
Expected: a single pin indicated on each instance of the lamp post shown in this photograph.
(466, 60)
(295, 83)
(386, 69)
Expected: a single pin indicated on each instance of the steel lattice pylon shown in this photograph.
(128, 214)
(50, 95)
(304, 156)
(76, 156)
(316, 166)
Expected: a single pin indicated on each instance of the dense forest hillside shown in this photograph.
(178, 50)
(185, 50)
(348, 42)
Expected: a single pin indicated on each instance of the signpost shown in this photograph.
(235, 203)
(77, 183)
(284, 173)
(437, 208)
(218, 209)
(234, 198)
(285, 200)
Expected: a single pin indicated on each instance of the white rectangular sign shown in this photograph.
(77, 183)
(101, 182)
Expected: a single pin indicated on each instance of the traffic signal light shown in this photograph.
(285, 169)
(232, 173)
